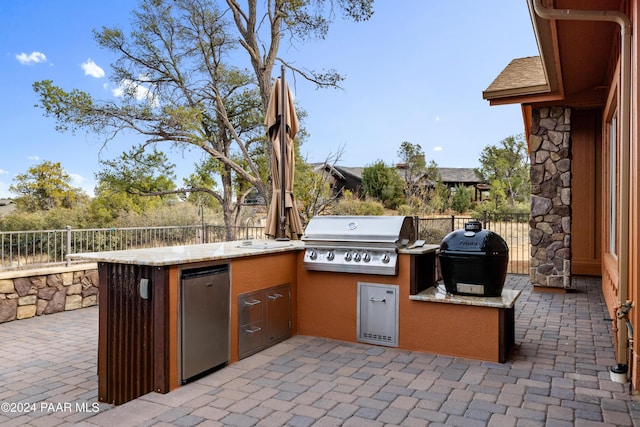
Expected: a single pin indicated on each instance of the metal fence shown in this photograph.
(30, 249)
(512, 227)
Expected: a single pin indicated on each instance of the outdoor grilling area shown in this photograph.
(354, 278)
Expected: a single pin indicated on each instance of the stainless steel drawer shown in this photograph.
(251, 338)
(250, 308)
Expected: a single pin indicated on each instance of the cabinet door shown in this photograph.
(278, 314)
(250, 339)
(251, 328)
(250, 307)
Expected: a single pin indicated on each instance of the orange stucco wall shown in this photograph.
(327, 307)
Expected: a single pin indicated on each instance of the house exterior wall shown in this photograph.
(586, 191)
(550, 223)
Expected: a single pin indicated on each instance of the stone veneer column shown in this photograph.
(550, 223)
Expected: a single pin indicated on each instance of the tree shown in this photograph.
(506, 169)
(45, 186)
(383, 183)
(125, 183)
(301, 20)
(439, 197)
(415, 169)
(461, 200)
(177, 86)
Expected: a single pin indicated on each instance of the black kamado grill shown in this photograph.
(474, 261)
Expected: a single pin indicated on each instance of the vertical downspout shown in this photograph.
(619, 372)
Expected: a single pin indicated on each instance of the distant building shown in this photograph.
(343, 178)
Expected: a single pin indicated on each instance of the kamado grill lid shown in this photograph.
(473, 239)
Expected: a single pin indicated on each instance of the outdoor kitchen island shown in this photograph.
(139, 344)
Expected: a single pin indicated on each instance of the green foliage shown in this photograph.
(461, 201)
(439, 197)
(136, 181)
(71, 110)
(383, 182)
(506, 169)
(350, 204)
(204, 178)
(51, 219)
(311, 191)
(412, 157)
(45, 186)
(177, 85)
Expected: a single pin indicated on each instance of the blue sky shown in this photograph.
(415, 72)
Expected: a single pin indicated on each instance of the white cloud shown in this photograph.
(139, 92)
(79, 181)
(92, 69)
(3, 172)
(437, 119)
(438, 148)
(32, 58)
(34, 158)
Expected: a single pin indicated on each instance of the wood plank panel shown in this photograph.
(586, 192)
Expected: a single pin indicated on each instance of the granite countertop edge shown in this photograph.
(186, 254)
(439, 294)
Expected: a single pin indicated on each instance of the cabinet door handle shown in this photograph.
(252, 302)
(253, 330)
(274, 296)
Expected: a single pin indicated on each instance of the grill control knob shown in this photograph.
(366, 257)
(313, 255)
(357, 257)
(347, 256)
(330, 256)
(386, 258)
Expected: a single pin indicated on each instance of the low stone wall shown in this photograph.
(30, 293)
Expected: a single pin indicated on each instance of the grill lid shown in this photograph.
(387, 230)
(473, 240)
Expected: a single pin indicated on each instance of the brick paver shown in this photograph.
(556, 375)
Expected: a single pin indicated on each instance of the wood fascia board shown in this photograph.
(515, 92)
(527, 99)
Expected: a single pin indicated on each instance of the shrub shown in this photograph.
(351, 205)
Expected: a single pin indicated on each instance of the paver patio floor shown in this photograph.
(556, 375)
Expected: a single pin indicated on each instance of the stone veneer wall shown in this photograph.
(550, 223)
(29, 293)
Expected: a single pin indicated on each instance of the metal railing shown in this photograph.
(30, 249)
(512, 227)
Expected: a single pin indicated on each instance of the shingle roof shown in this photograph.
(467, 175)
(521, 76)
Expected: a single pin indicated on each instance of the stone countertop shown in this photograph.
(439, 294)
(177, 255)
(424, 249)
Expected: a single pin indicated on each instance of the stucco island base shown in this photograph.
(474, 327)
(430, 320)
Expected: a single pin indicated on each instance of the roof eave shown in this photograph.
(551, 91)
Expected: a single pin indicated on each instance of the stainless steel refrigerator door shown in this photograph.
(205, 322)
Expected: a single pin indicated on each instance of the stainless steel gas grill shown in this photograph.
(357, 244)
